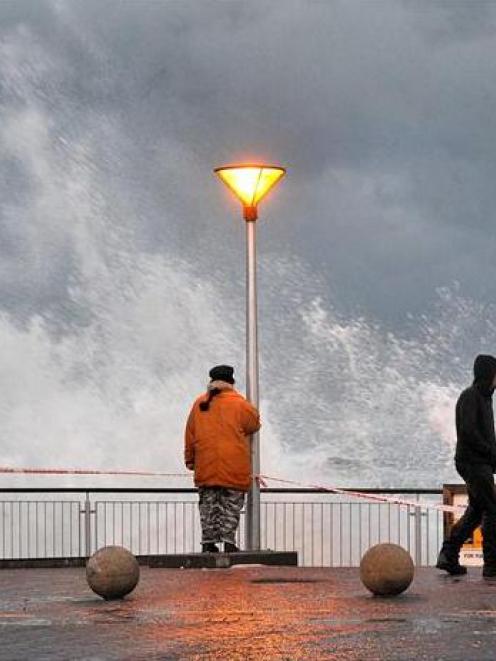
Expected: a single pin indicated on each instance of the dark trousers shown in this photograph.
(481, 509)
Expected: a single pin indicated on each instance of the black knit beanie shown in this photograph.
(222, 373)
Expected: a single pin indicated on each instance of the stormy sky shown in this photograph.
(113, 115)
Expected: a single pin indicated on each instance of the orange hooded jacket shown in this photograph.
(217, 446)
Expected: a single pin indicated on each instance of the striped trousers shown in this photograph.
(220, 509)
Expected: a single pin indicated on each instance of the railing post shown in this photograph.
(418, 536)
(87, 525)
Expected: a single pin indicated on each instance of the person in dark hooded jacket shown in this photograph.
(475, 461)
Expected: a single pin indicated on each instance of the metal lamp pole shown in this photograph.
(252, 529)
(250, 183)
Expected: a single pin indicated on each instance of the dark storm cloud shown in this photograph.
(383, 112)
(116, 237)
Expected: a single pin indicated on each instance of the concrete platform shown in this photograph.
(171, 561)
(258, 613)
(224, 560)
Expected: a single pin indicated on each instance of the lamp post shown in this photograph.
(250, 183)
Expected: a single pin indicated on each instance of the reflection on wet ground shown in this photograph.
(251, 613)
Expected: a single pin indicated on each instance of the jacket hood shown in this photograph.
(485, 370)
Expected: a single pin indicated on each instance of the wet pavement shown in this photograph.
(245, 613)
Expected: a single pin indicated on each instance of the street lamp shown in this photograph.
(250, 183)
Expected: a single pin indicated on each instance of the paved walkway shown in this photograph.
(245, 613)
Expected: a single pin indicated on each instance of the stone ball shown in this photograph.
(386, 569)
(112, 572)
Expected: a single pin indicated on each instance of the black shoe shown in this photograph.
(451, 565)
(209, 547)
(230, 548)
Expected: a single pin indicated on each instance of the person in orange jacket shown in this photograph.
(217, 449)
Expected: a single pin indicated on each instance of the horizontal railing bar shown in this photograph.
(51, 502)
(194, 490)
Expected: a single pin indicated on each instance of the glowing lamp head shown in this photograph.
(250, 183)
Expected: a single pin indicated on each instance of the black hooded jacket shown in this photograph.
(476, 441)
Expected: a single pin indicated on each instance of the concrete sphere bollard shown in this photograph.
(386, 569)
(112, 572)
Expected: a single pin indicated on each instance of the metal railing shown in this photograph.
(325, 529)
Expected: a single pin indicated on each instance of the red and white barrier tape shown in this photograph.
(261, 479)
(393, 500)
(82, 471)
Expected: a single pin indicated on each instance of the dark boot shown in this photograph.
(450, 563)
(230, 548)
(209, 547)
(489, 544)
